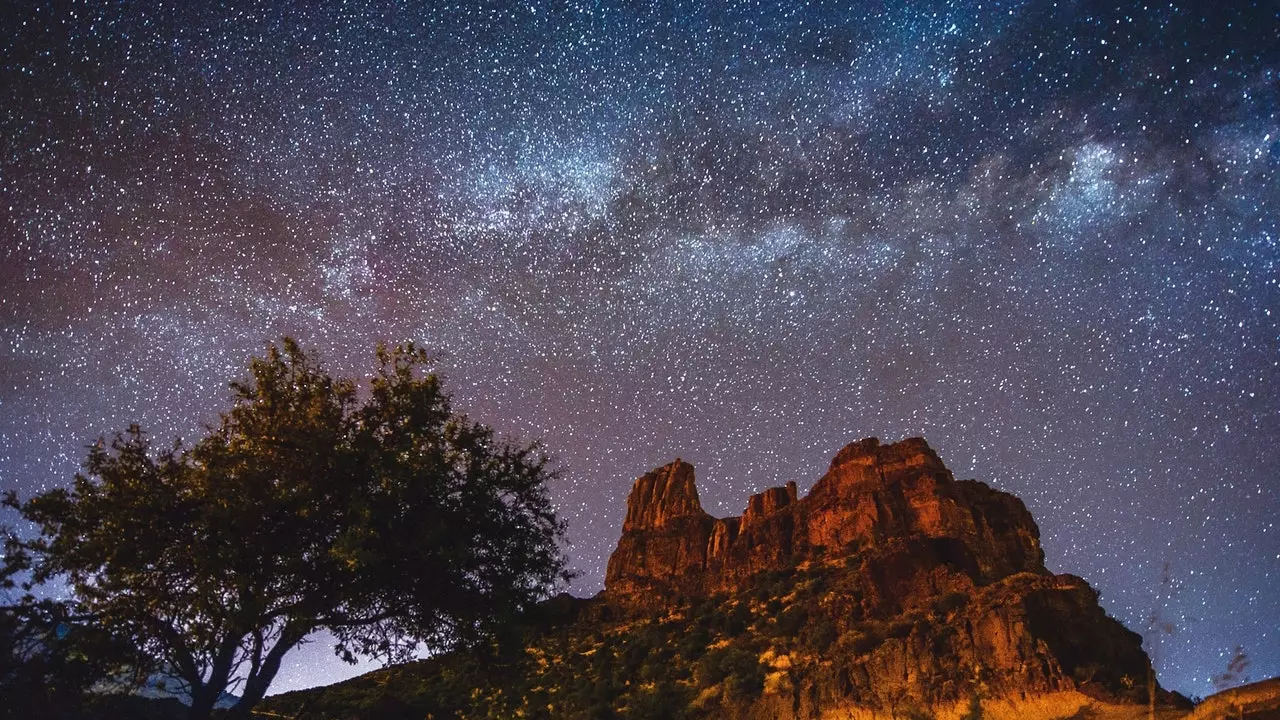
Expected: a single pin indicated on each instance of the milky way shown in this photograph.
(1042, 235)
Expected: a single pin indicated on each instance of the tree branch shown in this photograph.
(255, 687)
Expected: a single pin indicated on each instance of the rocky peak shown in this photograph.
(872, 493)
(868, 460)
(662, 495)
(768, 502)
(927, 582)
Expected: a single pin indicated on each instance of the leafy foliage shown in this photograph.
(390, 521)
(50, 662)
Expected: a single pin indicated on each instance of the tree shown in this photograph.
(389, 520)
(53, 666)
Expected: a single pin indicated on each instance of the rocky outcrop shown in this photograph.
(938, 586)
(871, 494)
(662, 497)
(665, 535)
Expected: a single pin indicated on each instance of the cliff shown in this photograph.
(871, 495)
(955, 564)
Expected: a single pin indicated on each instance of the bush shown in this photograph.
(860, 640)
(817, 586)
(791, 621)
(664, 701)
(737, 668)
(738, 619)
(819, 636)
(708, 613)
(718, 664)
(711, 669)
(745, 681)
(693, 645)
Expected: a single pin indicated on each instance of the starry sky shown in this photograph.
(1043, 235)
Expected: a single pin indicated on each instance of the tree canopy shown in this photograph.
(384, 517)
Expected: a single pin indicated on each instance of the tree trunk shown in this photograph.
(255, 686)
(203, 699)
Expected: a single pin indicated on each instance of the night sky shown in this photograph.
(1044, 235)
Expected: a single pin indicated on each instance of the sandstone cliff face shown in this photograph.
(665, 535)
(871, 493)
(662, 496)
(936, 587)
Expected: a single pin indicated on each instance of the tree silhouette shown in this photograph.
(390, 521)
(53, 666)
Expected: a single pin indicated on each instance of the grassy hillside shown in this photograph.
(793, 642)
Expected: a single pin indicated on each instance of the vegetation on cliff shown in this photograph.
(784, 645)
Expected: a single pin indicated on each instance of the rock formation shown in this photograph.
(871, 494)
(954, 567)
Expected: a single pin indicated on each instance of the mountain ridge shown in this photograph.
(870, 492)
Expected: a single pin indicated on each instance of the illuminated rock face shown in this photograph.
(947, 575)
(871, 494)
